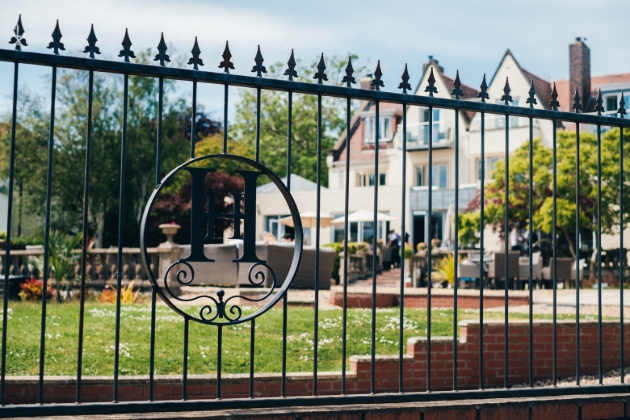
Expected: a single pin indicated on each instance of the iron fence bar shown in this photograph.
(554, 257)
(121, 206)
(456, 251)
(7, 254)
(158, 142)
(152, 345)
(599, 254)
(51, 141)
(285, 300)
(219, 358)
(430, 246)
(507, 248)
(621, 259)
(193, 120)
(317, 234)
(158, 162)
(252, 348)
(374, 247)
(481, 244)
(185, 363)
(258, 124)
(531, 252)
(401, 322)
(577, 254)
(134, 69)
(85, 221)
(225, 118)
(344, 308)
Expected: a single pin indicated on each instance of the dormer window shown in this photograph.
(369, 129)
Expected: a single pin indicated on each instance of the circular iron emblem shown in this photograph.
(220, 307)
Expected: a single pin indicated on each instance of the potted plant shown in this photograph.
(3, 238)
(62, 260)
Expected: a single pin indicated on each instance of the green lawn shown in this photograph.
(98, 358)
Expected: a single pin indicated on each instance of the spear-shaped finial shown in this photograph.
(377, 82)
(126, 51)
(259, 69)
(195, 60)
(226, 64)
(576, 101)
(321, 68)
(599, 103)
(506, 98)
(91, 47)
(532, 95)
(348, 79)
(18, 39)
(431, 88)
(161, 56)
(56, 43)
(553, 103)
(404, 85)
(290, 71)
(483, 90)
(622, 106)
(457, 91)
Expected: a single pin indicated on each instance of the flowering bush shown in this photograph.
(33, 289)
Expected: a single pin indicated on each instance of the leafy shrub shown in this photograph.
(127, 294)
(408, 253)
(337, 247)
(33, 289)
(445, 269)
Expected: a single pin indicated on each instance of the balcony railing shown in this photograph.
(418, 135)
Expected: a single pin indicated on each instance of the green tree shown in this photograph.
(69, 150)
(274, 119)
(565, 183)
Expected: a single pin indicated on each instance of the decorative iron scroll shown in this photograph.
(217, 309)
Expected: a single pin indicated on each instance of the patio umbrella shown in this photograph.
(309, 220)
(363, 215)
(449, 231)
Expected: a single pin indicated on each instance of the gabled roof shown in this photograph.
(298, 183)
(340, 144)
(467, 91)
(542, 87)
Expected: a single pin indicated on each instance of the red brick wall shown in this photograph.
(390, 300)
(22, 390)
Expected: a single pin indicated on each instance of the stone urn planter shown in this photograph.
(169, 230)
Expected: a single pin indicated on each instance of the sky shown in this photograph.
(469, 35)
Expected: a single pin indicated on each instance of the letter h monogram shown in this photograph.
(199, 216)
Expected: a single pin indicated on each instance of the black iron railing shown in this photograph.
(405, 99)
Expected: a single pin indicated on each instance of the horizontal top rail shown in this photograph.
(108, 66)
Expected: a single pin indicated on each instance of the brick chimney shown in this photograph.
(365, 83)
(580, 69)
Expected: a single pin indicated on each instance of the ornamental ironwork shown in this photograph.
(218, 308)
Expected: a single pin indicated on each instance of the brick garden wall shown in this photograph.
(23, 390)
(417, 298)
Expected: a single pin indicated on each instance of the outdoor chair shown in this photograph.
(279, 258)
(523, 268)
(563, 272)
(571, 283)
(467, 270)
(496, 267)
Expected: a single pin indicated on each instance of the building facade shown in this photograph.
(390, 153)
